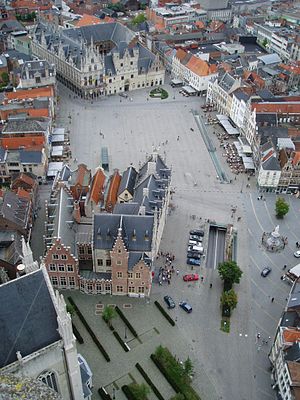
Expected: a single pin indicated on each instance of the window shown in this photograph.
(99, 262)
(98, 287)
(52, 267)
(107, 287)
(131, 76)
(89, 250)
(130, 275)
(55, 256)
(61, 268)
(72, 281)
(49, 379)
(131, 289)
(119, 262)
(37, 79)
(131, 62)
(81, 250)
(63, 281)
(119, 289)
(119, 274)
(54, 280)
(63, 257)
(119, 251)
(70, 268)
(110, 80)
(137, 275)
(141, 289)
(89, 287)
(108, 263)
(122, 78)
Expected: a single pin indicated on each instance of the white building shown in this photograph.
(269, 171)
(37, 340)
(98, 60)
(193, 70)
(36, 74)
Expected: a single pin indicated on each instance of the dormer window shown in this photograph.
(134, 235)
(108, 234)
(146, 235)
(99, 232)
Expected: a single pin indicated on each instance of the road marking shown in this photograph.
(260, 306)
(254, 212)
(268, 212)
(267, 278)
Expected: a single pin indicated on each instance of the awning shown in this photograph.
(57, 138)
(176, 81)
(54, 168)
(58, 131)
(57, 151)
(224, 121)
(189, 90)
(248, 162)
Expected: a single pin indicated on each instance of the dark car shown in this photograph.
(170, 302)
(196, 237)
(193, 254)
(193, 261)
(186, 306)
(265, 272)
(197, 232)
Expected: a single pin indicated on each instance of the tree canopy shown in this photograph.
(140, 392)
(139, 19)
(109, 313)
(229, 299)
(230, 272)
(281, 207)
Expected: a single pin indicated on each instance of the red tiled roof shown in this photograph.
(296, 158)
(112, 194)
(47, 91)
(23, 193)
(282, 108)
(88, 20)
(96, 191)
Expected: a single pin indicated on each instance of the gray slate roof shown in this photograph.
(126, 208)
(271, 164)
(293, 352)
(15, 209)
(136, 231)
(128, 180)
(27, 318)
(226, 82)
(36, 67)
(24, 125)
(30, 157)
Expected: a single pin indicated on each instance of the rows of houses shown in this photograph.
(103, 233)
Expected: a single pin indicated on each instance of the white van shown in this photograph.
(199, 249)
(193, 243)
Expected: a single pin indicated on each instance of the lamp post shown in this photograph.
(125, 332)
(114, 394)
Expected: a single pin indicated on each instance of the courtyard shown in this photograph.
(227, 366)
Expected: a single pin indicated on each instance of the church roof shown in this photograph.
(25, 307)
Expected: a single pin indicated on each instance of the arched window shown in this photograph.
(49, 378)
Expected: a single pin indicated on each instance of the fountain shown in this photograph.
(273, 241)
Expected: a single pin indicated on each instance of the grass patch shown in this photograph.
(159, 93)
(225, 324)
(174, 373)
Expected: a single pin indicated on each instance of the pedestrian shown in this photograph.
(210, 285)
(177, 138)
(284, 267)
(272, 300)
(258, 335)
(297, 244)
(177, 272)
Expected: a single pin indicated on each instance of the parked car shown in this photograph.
(297, 254)
(196, 237)
(193, 254)
(265, 272)
(197, 232)
(170, 302)
(197, 249)
(186, 306)
(193, 261)
(191, 277)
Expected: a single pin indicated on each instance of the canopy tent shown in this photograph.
(224, 121)
(176, 81)
(248, 163)
(57, 151)
(58, 138)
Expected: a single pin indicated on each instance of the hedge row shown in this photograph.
(164, 313)
(174, 380)
(103, 394)
(125, 320)
(119, 339)
(148, 380)
(77, 334)
(93, 336)
(128, 393)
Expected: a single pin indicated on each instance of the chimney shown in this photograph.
(151, 167)
(76, 212)
(145, 192)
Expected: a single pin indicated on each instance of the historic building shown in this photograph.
(111, 249)
(98, 60)
(48, 355)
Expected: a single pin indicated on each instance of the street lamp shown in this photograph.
(125, 332)
(114, 394)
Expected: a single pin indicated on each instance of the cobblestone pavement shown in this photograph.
(227, 366)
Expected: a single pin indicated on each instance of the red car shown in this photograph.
(191, 277)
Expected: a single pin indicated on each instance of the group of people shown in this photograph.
(166, 272)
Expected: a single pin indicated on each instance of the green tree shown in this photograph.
(281, 207)
(229, 299)
(5, 78)
(139, 392)
(265, 42)
(139, 19)
(109, 313)
(230, 272)
(178, 396)
(70, 309)
(188, 367)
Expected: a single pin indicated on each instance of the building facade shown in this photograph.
(98, 60)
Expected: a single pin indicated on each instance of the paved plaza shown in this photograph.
(227, 366)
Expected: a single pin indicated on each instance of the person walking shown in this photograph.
(177, 272)
(284, 267)
(210, 285)
(272, 300)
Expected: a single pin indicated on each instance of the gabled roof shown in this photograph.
(112, 194)
(291, 335)
(87, 20)
(22, 94)
(28, 320)
(81, 176)
(97, 186)
(15, 210)
(271, 164)
(128, 180)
